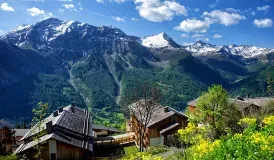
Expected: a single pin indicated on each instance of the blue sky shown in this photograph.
(186, 21)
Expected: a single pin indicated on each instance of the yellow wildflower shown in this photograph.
(268, 120)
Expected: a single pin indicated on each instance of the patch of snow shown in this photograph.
(156, 41)
(20, 28)
(60, 30)
(204, 49)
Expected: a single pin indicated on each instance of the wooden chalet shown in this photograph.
(247, 106)
(164, 122)
(6, 136)
(68, 135)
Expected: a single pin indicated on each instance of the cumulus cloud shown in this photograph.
(6, 7)
(263, 23)
(223, 17)
(119, 19)
(158, 11)
(35, 11)
(217, 36)
(184, 35)
(193, 25)
(263, 8)
(68, 6)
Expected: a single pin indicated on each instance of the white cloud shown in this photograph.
(196, 9)
(224, 18)
(100, 1)
(197, 36)
(184, 35)
(68, 6)
(35, 11)
(263, 8)
(217, 36)
(158, 11)
(193, 25)
(263, 23)
(116, 1)
(6, 7)
(253, 13)
(119, 19)
(135, 19)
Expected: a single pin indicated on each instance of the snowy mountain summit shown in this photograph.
(205, 49)
(159, 41)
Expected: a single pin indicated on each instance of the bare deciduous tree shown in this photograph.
(146, 98)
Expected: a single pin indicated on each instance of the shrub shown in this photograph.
(255, 142)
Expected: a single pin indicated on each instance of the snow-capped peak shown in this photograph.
(204, 49)
(158, 41)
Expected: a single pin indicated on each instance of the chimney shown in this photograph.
(49, 127)
(55, 113)
(60, 109)
(166, 109)
(72, 109)
(73, 104)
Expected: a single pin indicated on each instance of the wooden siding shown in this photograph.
(154, 130)
(68, 152)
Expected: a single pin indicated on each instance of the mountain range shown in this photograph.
(59, 61)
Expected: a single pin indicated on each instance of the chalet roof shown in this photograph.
(159, 113)
(100, 127)
(70, 125)
(193, 102)
(169, 128)
(20, 132)
(7, 124)
(243, 103)
(56, 136)
(66, 120)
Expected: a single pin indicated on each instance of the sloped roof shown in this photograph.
(193, 102)
(20, 132)
(159, 113)
(169, 128)
(56, 136)
(243, 103)
(66, 119)
(71, 126)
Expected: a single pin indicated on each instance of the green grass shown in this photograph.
(130, 150)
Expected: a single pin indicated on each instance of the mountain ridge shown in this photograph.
(98, 67)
